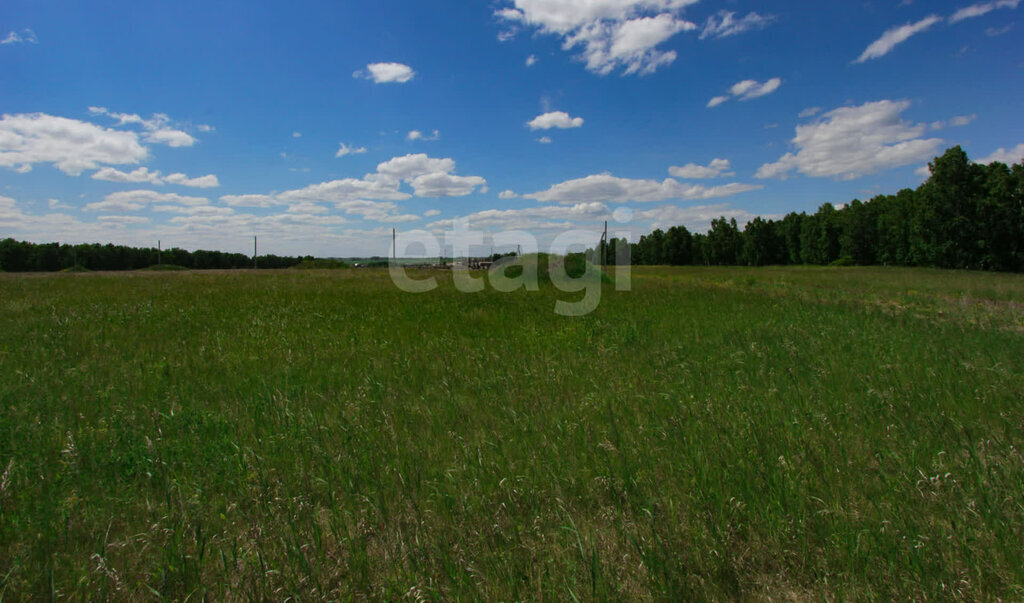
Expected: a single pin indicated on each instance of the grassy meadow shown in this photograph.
(784, 433)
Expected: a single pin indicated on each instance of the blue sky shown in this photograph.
(319, 126)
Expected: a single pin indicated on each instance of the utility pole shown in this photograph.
(604, 247)
(394, 244)
(255, 251)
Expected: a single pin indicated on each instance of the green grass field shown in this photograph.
(714, 433)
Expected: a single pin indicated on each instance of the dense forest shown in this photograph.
(966, 215)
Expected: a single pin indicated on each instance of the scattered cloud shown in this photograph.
(144, 175)
(850, 142)
(157, 129)
(250, 200)
(26, 36)
(438, 184)
(408, 167)
(136, 200)
(344, 149)
(207, 181)
(58, 204)
(718, 100)
(123, 220)
(993, 32)
(956, 122)
(201, 211)
(531, 60)
(606, 188)
(809, 112)
(430, 213)
(69, 144)
(417, 135)
(726, 24)
(171, 138)
(296, 134)
(716, 169)
(554, 217)
(508, 194)
(695, 219)
(199, 226)
(610, 35)
(882, 46)
(374, 195)
(982, 8)
(1007, 156)
(386, 73)
(428, 176)
(747, 90)
(554, 119)
(544, 140)
(139, 175)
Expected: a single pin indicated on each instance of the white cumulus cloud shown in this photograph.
(158, 129)
(606, 188)
(69, 144)
(143, 174)
(850, 142)
(374, 195)
(609, 34)
(386, 73)
(554, 119)
(438, 184)
(250, 200)
(716, 169)
(139, 175)
(1007, 156)
(747, 90)
(136, 200)
(344, 149)
(418, 135)
(695, 219)
(726, 24)
(169, 137)
(207, 181)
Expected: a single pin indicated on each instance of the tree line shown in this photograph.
(966, 215)
(21, 256)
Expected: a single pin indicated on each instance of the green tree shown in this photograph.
(858, 238)
(677, 246)
(948, 212)
(723, 242)
(762, 244)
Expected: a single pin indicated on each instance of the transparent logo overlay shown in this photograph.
(565, 266)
